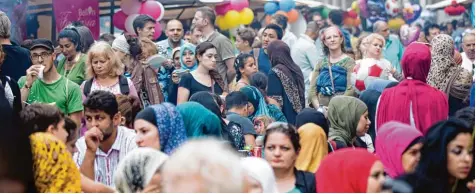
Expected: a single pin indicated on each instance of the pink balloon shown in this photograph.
(128, 24)
(119, 20)
(222, 8)
(158, 30)
(152, 8)
(130, 6)
(239, 5)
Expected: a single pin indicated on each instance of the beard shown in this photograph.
(107, 133)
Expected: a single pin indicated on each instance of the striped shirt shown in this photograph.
(106, 163)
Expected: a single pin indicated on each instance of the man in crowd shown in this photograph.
(174, 32)
(245, 38)
(393, 50)
(321, 22)
(106, 142)
(336, 18)
(430, 31)
(468, 54)
(43, 83)
(236, 104)
(305, 53)
(204, 20)
(271, 33)
(144, 26)
(282, 21)
(196, 35)
(17, 59)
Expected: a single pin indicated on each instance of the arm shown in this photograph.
(250, 140)
(182, 95)
(312, 94)
(230, 73)
(87, 167)
(25, 83)
(350, 68)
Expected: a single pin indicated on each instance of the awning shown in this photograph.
(443, 4)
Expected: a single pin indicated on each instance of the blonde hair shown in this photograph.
(368, 40)
(103, 49)
(148, 47)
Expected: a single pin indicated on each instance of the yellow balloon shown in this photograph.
(355, 6)
(232, 18)
(246, 16)
(395, 23)
(221, 23)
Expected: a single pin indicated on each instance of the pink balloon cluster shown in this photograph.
(236, 5)
(130, 9)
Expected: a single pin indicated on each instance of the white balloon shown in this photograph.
(130, 19)
(162, 12)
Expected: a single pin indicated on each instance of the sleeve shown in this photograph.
(350, 67)
(21, 81)
(82, 91)
(312, 84)
(312, 56)
(227, 50)
(132, 89)
(78, 156)
(275, 87)
(186, 81)
(247, 126)
(75, 102)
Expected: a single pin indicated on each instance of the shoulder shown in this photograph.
(162, 43)
(71, 84)
(81, 144)
(394, 37)
(127, 133)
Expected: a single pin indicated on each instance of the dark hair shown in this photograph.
(430, 26)
(72, 35)
(466, 114)
(102, 101)
(286, 129)
(209, 101)
(140, 22)
(276, 28)
(247, 34)
(336, 16)
(208, 13)
(236, 99)
(109, 38)
(259, 80)
(135, 47)
(38, 117)
(86, 38)
(129, 107)
(202, 48)
(281, 20)
(71, 128)
(240, 63)
(219, 102)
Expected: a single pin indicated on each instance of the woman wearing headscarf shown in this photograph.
(260, 175)
(350, 171)
(199, 121)
(260, 107)
(370, 98)
(313, 142)
(446, 75)
(398, 146)
(54, 168)
(310, 115)
(286, 81)
(160, 127)
(139, 171)
(187, 63)
(413, 101)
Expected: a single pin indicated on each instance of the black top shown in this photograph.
(276, 87)
(305, 181)
(189, 82)
(17, 61)
(15, 90)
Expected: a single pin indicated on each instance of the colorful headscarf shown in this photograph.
(344, 115)
(183, 48)
(135, 171)
(313, 142)
(199, 121)
(392, 140)
(260, 170)
(55, 170)
(255, 97)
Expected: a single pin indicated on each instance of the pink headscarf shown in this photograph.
(393, 138)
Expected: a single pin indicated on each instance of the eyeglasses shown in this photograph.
(44, 55)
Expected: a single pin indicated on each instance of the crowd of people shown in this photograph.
(269, 112)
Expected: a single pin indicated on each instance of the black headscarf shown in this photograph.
(370, 98)
(310, 115)
(206, 99)
(148, 114)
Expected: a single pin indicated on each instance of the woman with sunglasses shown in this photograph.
(281, 148)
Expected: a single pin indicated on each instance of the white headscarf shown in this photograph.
(260, 170)
(135, 171)
(120, 43)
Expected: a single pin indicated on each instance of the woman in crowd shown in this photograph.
(204, 78)
(260, 81)
(359, 47)
(73, 65)
(11, 88)
(310, 115)
(260, 175)
(446, 159)
(313, 142)
(412, 101)
(350, 171)
(122, 50)
(176, 58)
(245, 66)
(128, 107)
(86, 36)
(341, 65)
(446, 75)
(372, 46)
(260, 107)
(139, 171)
(281, 148)
(104, 72)
(187, 63)
(199, 121)
(160, 127)
(286, 82)
(348, 117)
(398, 146)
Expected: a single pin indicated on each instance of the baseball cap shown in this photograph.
(45, 43)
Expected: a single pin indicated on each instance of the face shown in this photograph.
(188, 58)
(333, 39)
(209, 59)
(241, 44)
(175, 31)
(249, 68)
(468, 46)
(59, 131)
(375, 49)
(102, 121)
(121, 55)
(177, 60)
(71, 145)
(384, 31)
(187, 38)
(254, 185)
(147, 134)
(196, 35)
(101, 65)
(433, 33)
(364, 124)
(251, 109)
(41, 56)
(67, 47)
(199, 21)
(279, 151)
(269, 35)
(411, 158)
(460, 155)
(376, 178)
(318, 19)
(148, 31)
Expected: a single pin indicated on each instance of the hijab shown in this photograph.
(393, 139)
(427, 104)
(54, 168)
(257, 99)
(135, 171)
(199, 121)
(370, 98)
(345, 171)
(169, 122)
(313, 141)
(260, 170)
(183, 48)
(288, 72)
(344, 115)
(310, 115)
(206, 99)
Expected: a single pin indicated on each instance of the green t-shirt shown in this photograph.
(78, 73)
(65, 94)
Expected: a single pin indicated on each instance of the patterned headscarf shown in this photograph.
(55, 170)
(185, 47)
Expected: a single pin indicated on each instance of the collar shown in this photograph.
(116, 145)
(206, 37)
(169, 44)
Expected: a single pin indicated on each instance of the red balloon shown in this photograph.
(158, 30)
(119, 19)
(222, 8)
(152, 8)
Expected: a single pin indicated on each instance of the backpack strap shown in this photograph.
(87, 87)
(332, 77)
(124, 85)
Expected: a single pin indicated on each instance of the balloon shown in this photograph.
(119, 20)
(130, 6)
(355, 6)
(222, 8)
(293, 16)
(416, 14)
(395, 23)
(246, 16)
(221, 22)
(232, 18)
(392, 7)
(158, 30)
(363, 8)
(376, 10)
(325, 12)
(162, 10)
(286, 5)
(270, 8)
(130, 19)
(409, 34)
(239, 5)
(267, 19)
(281, 13)
(152, 8)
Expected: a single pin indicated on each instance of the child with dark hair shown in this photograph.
(236, 104)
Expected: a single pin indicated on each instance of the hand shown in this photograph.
(175, 78)
(470, 186)
(32, 74)
(167, 64)
(93, 137)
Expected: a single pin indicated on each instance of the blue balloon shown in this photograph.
(287, 5)
(270, 8)
(471, 13)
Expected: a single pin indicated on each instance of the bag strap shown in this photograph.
(124, 85)
(451, 81)
(213, 85)
(332, 77)
(87, 87)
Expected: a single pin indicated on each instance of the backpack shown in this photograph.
(123, 84)
(331, 79)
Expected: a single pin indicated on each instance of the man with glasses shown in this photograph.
(43, 83)
(393, 50)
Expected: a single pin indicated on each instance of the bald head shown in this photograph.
(381, 27)
(174, 31)
(312, 30)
